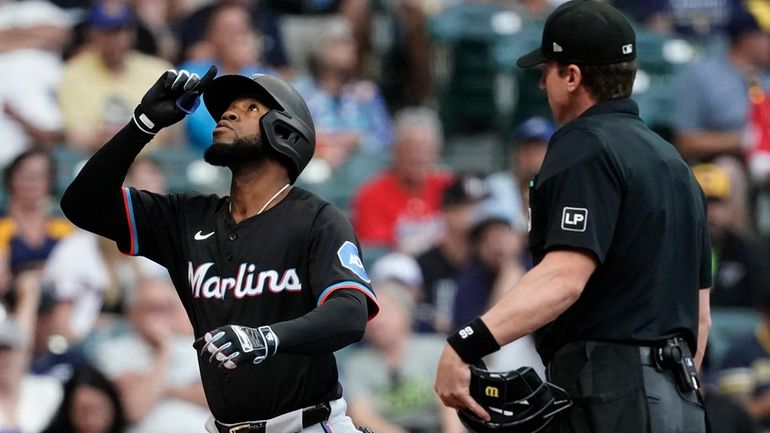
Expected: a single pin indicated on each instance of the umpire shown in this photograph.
(619, 237)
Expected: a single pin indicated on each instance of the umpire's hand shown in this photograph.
(171, 98)
(453, 381)
(231, 345)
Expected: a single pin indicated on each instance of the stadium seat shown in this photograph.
(528, 99)
(471, 86)
(660, 58)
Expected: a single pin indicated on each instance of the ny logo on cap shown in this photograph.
(628, 48)
(557, 48)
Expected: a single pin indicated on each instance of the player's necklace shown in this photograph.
(273, 198)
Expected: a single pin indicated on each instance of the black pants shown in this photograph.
(614, 391)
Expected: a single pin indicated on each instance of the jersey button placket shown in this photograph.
(232, 236)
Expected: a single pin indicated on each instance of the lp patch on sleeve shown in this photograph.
(573, 219)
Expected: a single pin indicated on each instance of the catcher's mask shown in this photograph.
(518, 401)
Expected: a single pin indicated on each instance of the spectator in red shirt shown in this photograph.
(399, 208)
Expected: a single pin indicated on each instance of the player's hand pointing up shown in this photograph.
(171, 98)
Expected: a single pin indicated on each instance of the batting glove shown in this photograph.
(171, 98)
(231, 345)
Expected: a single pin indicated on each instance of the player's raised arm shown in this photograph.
(94, 201)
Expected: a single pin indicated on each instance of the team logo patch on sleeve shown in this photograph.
(573, 219)
(350, 259)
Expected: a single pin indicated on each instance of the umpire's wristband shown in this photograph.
(473, 341)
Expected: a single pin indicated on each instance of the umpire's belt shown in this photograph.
(290, 422)
(662, 354)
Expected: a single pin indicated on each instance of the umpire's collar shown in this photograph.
(621, 105)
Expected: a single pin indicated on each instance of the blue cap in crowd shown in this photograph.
(741, 22)
(110, 15)
(535, 128)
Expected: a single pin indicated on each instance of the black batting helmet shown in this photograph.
(517, 401)
(287, 127)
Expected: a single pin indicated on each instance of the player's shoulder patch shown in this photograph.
(351, 259)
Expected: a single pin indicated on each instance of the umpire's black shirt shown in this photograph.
(611, 186)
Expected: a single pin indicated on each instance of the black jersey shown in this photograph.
(272, 267)
(611, 186)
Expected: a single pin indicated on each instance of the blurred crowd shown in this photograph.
(427, 139)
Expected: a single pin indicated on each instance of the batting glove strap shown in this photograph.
(143, 122)
(473, 341)
(270, 340)
(260, 343)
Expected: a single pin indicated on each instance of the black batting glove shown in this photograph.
(231, 345)
(171, 98)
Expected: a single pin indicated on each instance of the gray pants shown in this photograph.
(614, 391)
(669, 410)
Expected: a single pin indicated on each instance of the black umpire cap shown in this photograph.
(584, 32)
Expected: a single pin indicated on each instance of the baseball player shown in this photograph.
(621, 249)
(270, 276)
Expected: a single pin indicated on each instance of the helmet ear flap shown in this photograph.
(290, 137)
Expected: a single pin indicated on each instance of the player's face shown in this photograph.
(241, 119)
(237, 135)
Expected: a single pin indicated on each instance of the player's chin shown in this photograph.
(220, 154)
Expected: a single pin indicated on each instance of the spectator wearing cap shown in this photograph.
(713, 105)
(740, 265)
(510, 188)
(388, 382)
(102, 84)
(53, 354)
(496, 264)
(401, 268)
(440, 264)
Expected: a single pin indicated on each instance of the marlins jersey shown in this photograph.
(269, 268)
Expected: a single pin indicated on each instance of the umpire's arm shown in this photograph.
(704, 324)
(539, 297)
